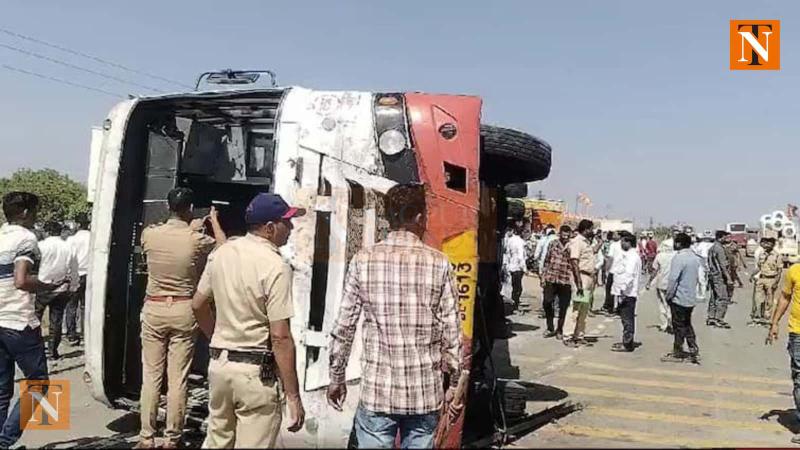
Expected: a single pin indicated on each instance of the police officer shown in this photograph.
(769, 266)
(175, 252)
(251, 342)
(720, 282)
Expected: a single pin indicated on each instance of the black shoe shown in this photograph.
(712, 322)
(723, 324)
(668, 330)
(549, 334)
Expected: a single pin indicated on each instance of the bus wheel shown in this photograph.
(511, 156)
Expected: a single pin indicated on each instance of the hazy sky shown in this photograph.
(636, 97)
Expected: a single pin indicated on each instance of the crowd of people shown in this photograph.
(65, 256)
(35, 276)
(684, 269)
(238, 292)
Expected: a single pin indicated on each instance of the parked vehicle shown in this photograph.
(738, 233)
(616, 225)
(752, 246)
(335, 153)
(789, 248)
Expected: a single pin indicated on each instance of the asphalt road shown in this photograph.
(739, 396)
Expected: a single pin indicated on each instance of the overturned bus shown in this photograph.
(334, 153)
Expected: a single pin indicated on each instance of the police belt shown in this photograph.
(248, 357)
(167, 298)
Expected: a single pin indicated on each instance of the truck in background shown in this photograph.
(738, 233)
(545, 212)
(784, 229)
(616, 225)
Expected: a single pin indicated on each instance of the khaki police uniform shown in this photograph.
(175, 257)
(769, 267)
(581, 249)
(250, 286)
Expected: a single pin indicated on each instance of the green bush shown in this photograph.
(61, 198)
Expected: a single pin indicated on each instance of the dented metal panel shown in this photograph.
(446, 131)
(336, 124)
(333, 134)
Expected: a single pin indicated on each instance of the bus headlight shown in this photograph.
(392, 142)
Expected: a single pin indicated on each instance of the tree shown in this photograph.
(60, 197)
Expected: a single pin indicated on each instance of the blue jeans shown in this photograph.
(378, 430)
(794, 357)
(26, 349)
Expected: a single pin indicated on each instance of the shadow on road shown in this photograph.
(116, 441)
(522, 327)
(533, 392)
(503, 367)
(504, 407)
(126, 429)
(596, 338)
(72, 354)
(786, 417)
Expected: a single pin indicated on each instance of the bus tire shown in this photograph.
(516, 190)
(511, 156)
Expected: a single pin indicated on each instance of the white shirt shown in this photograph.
(702, 249)
(515, 254)
(80, 244)
(615, 256)
(757, 253)
(600, 261)
(662, 266)
(16, 306)
(58, 263)
(626, 280)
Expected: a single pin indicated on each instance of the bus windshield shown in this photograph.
(737, 228)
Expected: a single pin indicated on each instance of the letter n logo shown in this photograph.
(755, 45)
(44, 405)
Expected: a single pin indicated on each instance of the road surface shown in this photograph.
(739, 396)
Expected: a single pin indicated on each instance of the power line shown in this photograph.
(76, 67)
(93, 58)
(59, 80)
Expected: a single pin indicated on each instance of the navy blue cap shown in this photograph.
(270, 208)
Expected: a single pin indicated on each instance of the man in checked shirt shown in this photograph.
(411, 331)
